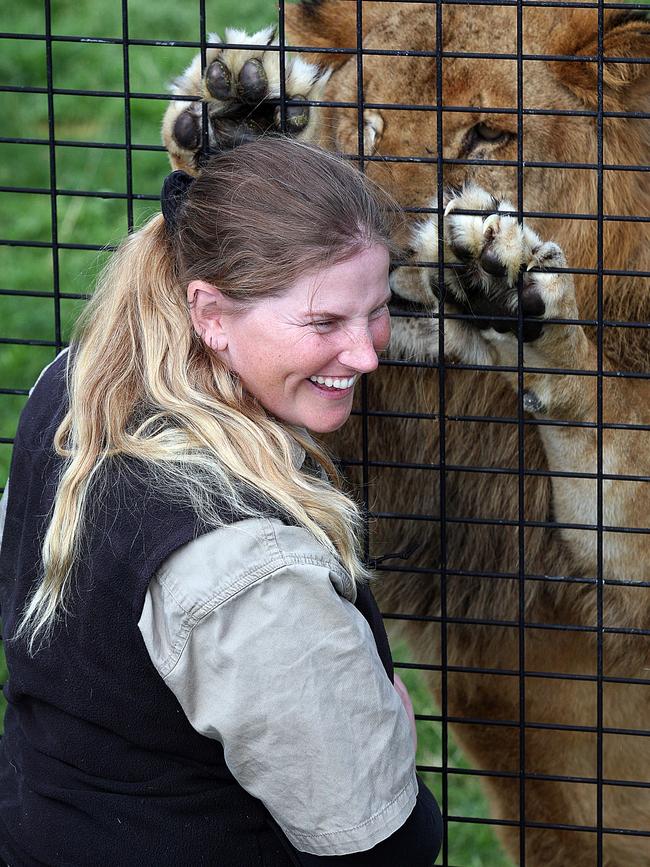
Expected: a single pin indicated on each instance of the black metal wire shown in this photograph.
(361, 162)
(284, 99)
(388, 158)
(203, 43)
(54, 210)
(362, 52)
(599, 449)
(521, 540)
(516, 673)
(444, 571)
(301, 101)
(506, 522)
(442, 442)
(127, 115)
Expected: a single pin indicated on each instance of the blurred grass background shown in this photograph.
(27, 310)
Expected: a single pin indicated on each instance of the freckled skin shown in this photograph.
(329, 324)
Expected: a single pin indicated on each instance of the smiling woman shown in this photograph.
(194, 633)
(299, 362)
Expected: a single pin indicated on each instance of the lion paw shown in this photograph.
(241, 89)
(494, 275)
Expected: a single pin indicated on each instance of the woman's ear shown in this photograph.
(208, 308)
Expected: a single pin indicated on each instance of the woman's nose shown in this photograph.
(359, 353)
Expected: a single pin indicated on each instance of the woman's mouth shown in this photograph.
(333, 384)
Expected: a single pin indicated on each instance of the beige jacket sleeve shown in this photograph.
(254, 629)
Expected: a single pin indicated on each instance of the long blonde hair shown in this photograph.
(142, 385)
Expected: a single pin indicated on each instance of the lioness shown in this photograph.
(477, 500)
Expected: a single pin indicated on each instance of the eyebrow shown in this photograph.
(325, 314)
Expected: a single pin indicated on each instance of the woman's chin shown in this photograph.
(327, 422)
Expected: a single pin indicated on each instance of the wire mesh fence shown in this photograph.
(501, 450)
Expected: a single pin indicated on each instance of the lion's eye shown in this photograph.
(483, 132)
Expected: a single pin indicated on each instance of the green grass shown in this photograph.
(470, 845)
(82, 220)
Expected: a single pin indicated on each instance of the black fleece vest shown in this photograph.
(98, 764)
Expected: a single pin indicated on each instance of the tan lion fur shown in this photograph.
(473, 588)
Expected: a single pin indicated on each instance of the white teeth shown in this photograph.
(334, 383)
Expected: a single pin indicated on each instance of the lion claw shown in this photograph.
(497, 254)
(451, 206)
(491, 225)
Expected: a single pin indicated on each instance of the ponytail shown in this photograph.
(142, 385)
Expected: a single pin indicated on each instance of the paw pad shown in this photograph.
(296, 116)
(252, 83)
(241, 89)
(218, 80)
(491, 262)
(186, 130)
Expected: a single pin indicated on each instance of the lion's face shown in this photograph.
(468, 138)
(520, 118)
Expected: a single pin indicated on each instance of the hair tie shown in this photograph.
(172, 196)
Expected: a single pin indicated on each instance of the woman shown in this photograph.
(198, 673)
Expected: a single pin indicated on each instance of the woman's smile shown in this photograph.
(334, 386)
(334, 322)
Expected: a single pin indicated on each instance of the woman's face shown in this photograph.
(301, 353)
